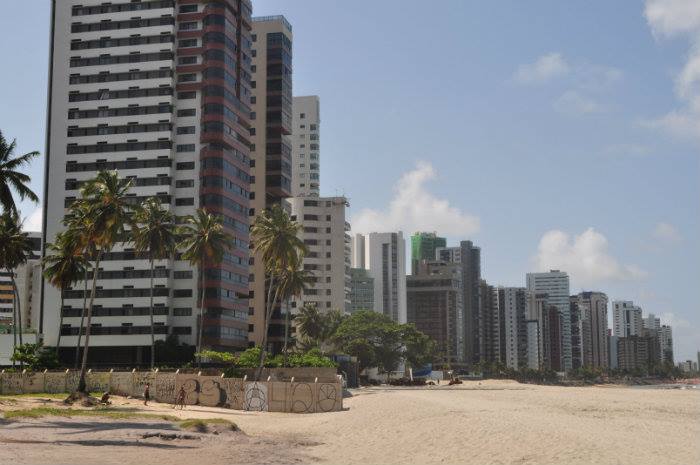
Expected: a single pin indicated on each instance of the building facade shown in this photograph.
(327, 260)
(468, 257)
(383, 255)
(627, 319)
(306, 146)
(494, 324)
(271, 152)
(361, 291)
(589, 321)
(423, 247)
(158, 91)
(636, 353)
(513, 301)
(555, 284)
(543, 333)
(26, 290)
(434, 305)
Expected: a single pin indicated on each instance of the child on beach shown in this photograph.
(180, 402)
(146, 394)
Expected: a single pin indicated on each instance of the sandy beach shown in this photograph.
(492, 422)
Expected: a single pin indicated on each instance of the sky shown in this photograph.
(554, 135)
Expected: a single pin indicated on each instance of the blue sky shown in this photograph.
(552, 134)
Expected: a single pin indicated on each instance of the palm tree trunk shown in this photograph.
(286, 335)
(82, 319)
(201, 315)
(153, 337)
(14, 327)
(268, 316)
(19, 308)
(82, 385)
(60, 325)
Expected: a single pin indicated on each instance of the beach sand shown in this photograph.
(488, 422)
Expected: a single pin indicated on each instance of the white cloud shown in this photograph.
(573, 102)
(673, 19)
(34, 221)
(545, 68)
(585, 257)
(666, 232)
(414, 208)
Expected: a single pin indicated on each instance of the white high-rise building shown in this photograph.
(384, 256)
(652, 323)
(627, 319)
(555, 284)
(158, 91)
(515, 311)
(306, 146)
(325, 234)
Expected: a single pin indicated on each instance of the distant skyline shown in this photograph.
(552, 134)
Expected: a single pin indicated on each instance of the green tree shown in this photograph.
(106, 206)
(276, 242)
(419, 349)
(155, 234)
(295, 280)
(373, 338)
(204, 242)
(13, 180)
(64, 264)
(15, 248)
(316, 328)
(35, 356)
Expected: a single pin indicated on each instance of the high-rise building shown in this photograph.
(627, 319)
(383, 255)
(361, 291)
(423, 246)
(158, 91)
(26, 289)
(327, 260)
(271, 151)
(469, 258)
(513, 301)
(434, 305)
(494, 324)
(651, 322)
(666, 343)
(612, 350)
(306, 146)
(543, 323)
(636, 353)
(589, 332)
(555, 284)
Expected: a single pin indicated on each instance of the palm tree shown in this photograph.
(104, 199)
(15, 248)
(79, 215)
(63, 266)
(11, 179)
(204, 243)
(318, 328)
(276, 241)
(154, 233)
(294, 282)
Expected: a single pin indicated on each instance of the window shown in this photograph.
(188, 26)
(186, 95)
(312, 127)
(184, 183)
(187, 77)
(182, 312)
(185, 148)
(187, 43)
(187, 60)
(187, 112)
(186, 130)
(182, 293)
(188, 9)
(187, 274)
(302, 115)
(254, 37)
(184, 165)
(184, 202)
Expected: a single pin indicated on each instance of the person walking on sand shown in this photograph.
(146, 394)
(180, 398)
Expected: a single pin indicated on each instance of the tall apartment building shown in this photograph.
(423, 247)
(555, 284)
(651, 322)
(627, 319)
(325, 234)
(271, 150)
(636, 353)
(469, 258)
(544, 327)
(383, 255)
(513, 301)
(434, 305)
(361, 291)
(494, 324)
(666, 343)
(159, 91)
(589, 316)
(306, 146)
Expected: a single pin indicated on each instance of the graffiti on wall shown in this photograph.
(165, 388)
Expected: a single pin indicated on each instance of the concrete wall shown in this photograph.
(211, 391)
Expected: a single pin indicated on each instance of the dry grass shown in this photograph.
(202, 425)
(106, 412)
